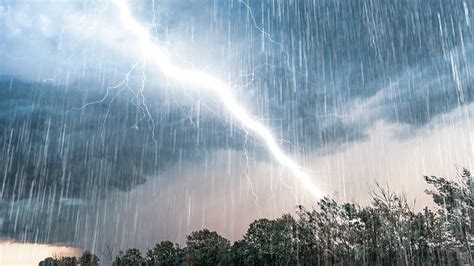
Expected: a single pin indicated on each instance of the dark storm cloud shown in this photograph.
(50, 147)
(414, 58)
(337, 55)
(56, 159)
(342, 65)
(421, 92)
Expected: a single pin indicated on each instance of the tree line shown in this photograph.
(386, 232)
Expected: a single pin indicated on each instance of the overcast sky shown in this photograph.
(97, 147)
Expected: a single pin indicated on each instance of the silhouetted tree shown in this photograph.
(206, 247)
(243, 254)
(456, 202)
(386, 232)
(165, 253)
(131, 256)
(60, 261)
(271, 241)
(88, 259)
(49, 261)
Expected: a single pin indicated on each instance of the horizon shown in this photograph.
(134, 122)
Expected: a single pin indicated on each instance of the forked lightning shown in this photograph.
(201, 80)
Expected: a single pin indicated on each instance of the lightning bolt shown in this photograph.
(201, 80)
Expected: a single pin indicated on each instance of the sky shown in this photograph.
(98, 147)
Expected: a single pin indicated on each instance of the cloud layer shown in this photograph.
(89, 132)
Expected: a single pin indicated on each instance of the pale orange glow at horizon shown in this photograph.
(13, 253)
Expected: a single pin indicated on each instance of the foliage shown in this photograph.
(88, 259)
(165, 253)
(269, 242)
(131, 256)
(386, 232)
(206, 247)
(61, 261)
(456, 202)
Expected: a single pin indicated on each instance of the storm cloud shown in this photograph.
(84, 122)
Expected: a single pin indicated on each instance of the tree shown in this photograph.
(206, 247)
(49, 261)
(387, 232)
(243, 254)
(131, 256)
(272, 241)
(456, 202)
(330, 234)
(88, 259)
(393, 215)
(428, 235)
(59, 261)
(165, 253)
